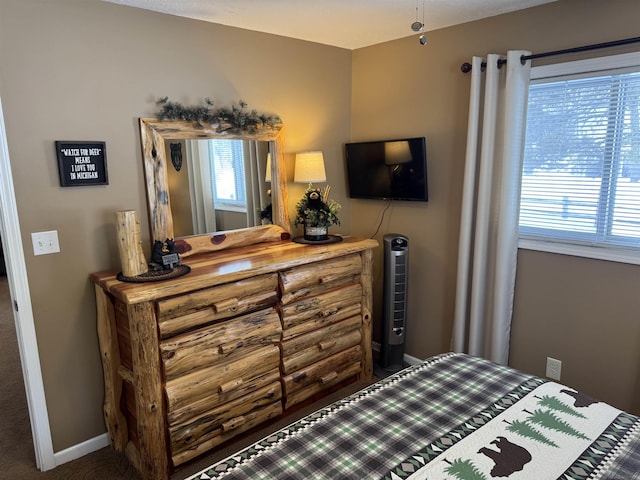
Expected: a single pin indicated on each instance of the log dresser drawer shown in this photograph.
(306, 280)
(193, 361)
(310, 313)
(219, 343)
(303, 350)
(185, 312)
(223, 422)
(318, 376)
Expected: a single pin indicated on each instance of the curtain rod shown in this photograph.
(466, 67)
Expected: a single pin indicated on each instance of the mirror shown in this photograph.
(154, 135)
(218, 185)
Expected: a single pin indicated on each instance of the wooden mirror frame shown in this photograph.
(154, 133)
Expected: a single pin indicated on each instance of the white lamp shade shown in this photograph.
(309, 168)
(396, 153)
(267, 175)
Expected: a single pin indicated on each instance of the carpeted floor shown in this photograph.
(17, 458)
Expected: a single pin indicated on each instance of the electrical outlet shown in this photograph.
(554, 368)
(45, 242)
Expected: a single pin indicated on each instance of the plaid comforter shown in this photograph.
(452, 417)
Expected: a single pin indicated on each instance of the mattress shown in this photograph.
(454, 416)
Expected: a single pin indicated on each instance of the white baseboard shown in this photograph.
(81, 449)
(408, 359)
(411, 360)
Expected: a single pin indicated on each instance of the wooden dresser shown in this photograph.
(193, 361)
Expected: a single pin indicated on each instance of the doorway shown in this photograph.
(20, 299)
(15, 432)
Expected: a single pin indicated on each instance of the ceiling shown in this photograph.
(347, 24)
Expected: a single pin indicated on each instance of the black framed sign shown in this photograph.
(82, 163)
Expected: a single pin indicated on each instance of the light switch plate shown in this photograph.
(45, 242)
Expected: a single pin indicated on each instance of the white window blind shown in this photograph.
(227, 161)
(581, 173)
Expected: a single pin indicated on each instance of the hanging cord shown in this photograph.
(466, 67)
(417, 26)
(381, 219)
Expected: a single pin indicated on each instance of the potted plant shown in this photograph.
(317, 213)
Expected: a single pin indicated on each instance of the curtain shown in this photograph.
(255, 164)
(489, 220)
(203, 213)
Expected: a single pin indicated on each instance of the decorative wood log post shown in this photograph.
(129, 244)
(107, 335)
(145, 354)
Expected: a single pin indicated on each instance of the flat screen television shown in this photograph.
(388, 169)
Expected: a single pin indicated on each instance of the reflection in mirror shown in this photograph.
(221, 185)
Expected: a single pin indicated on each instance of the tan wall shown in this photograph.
(586, 313)
(86, 70)
(403, 89)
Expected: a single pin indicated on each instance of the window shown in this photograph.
(581, 172)
(227, 170)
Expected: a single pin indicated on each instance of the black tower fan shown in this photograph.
(396, 269)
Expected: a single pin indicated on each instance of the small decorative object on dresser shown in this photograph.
(317, 213)
(164, 255)
(129, 244)
(165, 262)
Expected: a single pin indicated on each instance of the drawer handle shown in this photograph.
(230, 305)
(327, 344)
(329, 377)
(229, 386)
(233, 424)
(227, 348)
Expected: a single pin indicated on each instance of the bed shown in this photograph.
(451, 417)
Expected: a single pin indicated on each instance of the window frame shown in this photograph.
(614, 63)
(239, 205)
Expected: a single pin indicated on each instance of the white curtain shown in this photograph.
(489, 221)
(203, 212)
(255, 164)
